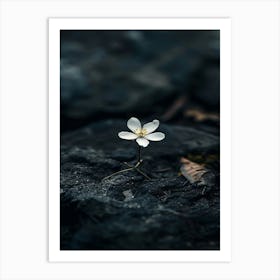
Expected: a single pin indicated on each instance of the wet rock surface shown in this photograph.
(128, 211)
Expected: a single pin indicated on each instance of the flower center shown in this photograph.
(141, 132)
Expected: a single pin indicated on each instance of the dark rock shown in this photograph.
(179, 140)
(128, 211)
(124, 154)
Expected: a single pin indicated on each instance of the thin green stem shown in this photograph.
(139, 154)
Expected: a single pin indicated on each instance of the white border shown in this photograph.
(55, 254)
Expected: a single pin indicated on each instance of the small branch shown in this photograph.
(141, 172)
(138, 163)
(121, 171)
(137, 169)
(131, 167)
(128, 165)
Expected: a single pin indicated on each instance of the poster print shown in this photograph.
(138, 126)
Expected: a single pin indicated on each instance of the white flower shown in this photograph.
(142, 135)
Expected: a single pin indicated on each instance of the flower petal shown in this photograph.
(151, 126)
(134, 124)
(157, 136)
(127, 135)
(142, 142)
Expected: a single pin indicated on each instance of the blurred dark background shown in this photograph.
(108, 77)
(169, 75)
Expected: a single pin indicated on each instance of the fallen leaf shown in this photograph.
(201, 116)
(196, 173)
(175, 108)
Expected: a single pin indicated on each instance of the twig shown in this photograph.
(141, 172)
(131, 167)
(121, 171)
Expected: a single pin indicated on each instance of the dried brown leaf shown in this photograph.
(196, 173)
(201, 116)
(175, 108)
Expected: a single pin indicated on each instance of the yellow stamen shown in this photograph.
(141, 132)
